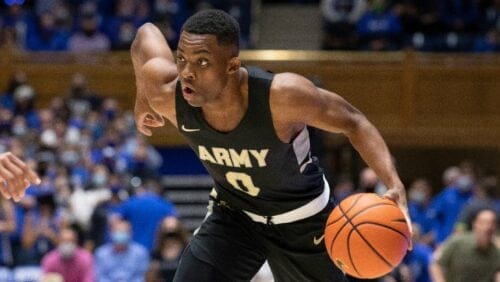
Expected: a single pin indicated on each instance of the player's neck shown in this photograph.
(233, 95)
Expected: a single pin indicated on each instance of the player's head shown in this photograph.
(207, 55)
(218, 23)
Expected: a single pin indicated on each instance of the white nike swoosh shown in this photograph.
(317, 241)
(189, 129)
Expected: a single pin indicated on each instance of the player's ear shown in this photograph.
(234, 65)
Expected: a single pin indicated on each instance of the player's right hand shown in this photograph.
(146, 117)
(15, 176)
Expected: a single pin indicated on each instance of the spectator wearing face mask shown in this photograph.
(89, 38)
(68, 260)
(370, 183)
(446, 206)
(419, 197)
(122, 259)
(486, 195)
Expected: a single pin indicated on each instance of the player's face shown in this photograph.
(202, 65)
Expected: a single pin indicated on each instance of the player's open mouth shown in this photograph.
(187, 90)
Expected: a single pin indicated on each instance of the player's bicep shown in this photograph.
(300, 101)
(332, 112)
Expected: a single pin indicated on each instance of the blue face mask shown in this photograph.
(465, 184)
(120, 238)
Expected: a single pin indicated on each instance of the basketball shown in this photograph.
(366, 236)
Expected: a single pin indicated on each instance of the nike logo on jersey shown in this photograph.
(317, 241)
(189, 129)
(233, 158)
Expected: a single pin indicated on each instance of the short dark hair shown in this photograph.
(216, 22)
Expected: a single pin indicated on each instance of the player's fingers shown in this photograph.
(155, 120)
(15, 177)
(410, 228)
(29, 174)
(144, 130)
(4, 189)
(6, 182)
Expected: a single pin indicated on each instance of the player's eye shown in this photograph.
(203, 62)
(180, 59)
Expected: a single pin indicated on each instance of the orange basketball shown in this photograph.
(366, 236)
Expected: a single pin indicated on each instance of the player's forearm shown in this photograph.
(373, 149)
(149, 43)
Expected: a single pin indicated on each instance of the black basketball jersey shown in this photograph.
(252, 168)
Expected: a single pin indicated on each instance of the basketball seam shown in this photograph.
(356, 214)
(348, 210)
(349, 221)
(386, 226)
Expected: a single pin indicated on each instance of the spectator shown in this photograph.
(45, 35)
(486, 196)
(459, 16)
(88, 38)
(471, 256)
(99, 232)
(419, 259)
(81, 98)
(446, 206)
(379, 28)
(122, 259)
(421, 23)
(16, 22)
(369, 182)
(488, 39)
(139, 157)
(342, 190)
(71, 262)
(419, 198)
(41, 226)
(7, 227)
(145, 211)
(170, 14)
(7, 98)
(24, 101)
(170, 241)
(340, 18)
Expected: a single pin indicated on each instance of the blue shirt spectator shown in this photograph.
(419, 260)
(145, 211)
(122, 259)
(46, 36)
(419, 197)
(446, 207)
(379, 27)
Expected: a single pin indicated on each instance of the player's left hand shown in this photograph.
(398, 195)
(15, 176)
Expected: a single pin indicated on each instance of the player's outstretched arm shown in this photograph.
(155, 72)
(15, 176)
(307, 104)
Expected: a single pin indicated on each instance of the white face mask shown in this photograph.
(67, 250)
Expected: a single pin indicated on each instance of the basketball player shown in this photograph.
(248, 127)
(15, 176)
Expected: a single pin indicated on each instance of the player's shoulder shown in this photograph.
(288, 81)
(289, 85)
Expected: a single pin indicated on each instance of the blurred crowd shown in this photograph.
(100, 209)
(424, 25)
(101, 25)
(442, 216)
